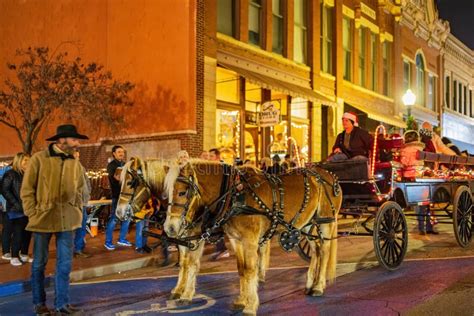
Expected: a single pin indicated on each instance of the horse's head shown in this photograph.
(134, 192)
(184, 196)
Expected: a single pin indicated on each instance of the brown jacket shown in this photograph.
(51, 192)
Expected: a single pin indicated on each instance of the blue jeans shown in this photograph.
(140, 240)
(63, 267)
(80, 233)
(109, 230)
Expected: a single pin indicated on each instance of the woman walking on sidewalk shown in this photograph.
(11, 185)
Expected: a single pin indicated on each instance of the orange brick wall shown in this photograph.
(151, 43)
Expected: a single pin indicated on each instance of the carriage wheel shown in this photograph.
(304, 250)
(463, 216)
(390, 235)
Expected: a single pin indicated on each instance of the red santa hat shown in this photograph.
(351, 116)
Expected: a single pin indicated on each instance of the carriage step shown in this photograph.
(324, 220)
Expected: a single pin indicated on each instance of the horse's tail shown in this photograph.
(332, 263)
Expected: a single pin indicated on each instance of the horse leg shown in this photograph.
(263, 260)
(194, 263)
(183, 273)
(240, 301)
(313, 265)
(251, 276)
(325, 252)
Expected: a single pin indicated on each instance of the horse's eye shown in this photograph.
(182, 193)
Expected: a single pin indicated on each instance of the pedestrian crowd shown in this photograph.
(46, 195)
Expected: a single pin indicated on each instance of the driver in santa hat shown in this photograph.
(353, 143)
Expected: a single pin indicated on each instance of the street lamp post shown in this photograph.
(408, 100)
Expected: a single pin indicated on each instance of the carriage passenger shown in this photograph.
(353, 143)
(412, 168)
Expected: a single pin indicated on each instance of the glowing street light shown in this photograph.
(408, 100)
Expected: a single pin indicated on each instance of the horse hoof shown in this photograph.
(174, 296)
(237, 306)
(249, 313)
(183, 302)
(317, 293)
(308, 292)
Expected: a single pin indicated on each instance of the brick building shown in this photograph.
(208, 70)
(151, 43)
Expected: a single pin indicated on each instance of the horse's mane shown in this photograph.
(154, 172)
(175, 169)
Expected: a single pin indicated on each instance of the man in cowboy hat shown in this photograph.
(52, 199)
(353, 143)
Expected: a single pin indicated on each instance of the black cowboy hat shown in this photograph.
(67, 130)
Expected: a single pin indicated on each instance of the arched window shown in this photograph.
(420, 80)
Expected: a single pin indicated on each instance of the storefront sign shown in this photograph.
(269, 115)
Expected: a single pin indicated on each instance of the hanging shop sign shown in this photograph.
(270, 114)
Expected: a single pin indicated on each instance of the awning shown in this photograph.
(391, 120)
(270, 83)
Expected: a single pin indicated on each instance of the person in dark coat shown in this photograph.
(276, 167)
(451, 146)
(353, 143)
(11, 186)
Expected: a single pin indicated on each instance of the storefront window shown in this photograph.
(299, 140)
(228, 134)
(227, 85)
(253, 98)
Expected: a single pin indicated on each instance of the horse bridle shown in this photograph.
(137, 180)
(192, 193)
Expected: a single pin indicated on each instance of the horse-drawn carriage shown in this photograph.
(301, 207)
(379, 199)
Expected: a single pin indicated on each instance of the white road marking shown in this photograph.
(172, 308)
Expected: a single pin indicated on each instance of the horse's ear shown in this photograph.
(136, 163)
(187, 169)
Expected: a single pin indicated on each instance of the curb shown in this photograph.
(23, 286)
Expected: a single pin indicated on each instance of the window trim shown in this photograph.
(260, 23)
(326, 40)
(304, 28)
(349, 50)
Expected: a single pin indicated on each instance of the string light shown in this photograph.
(296, 150)
(374, 153)
(237, 135)
(96, 174)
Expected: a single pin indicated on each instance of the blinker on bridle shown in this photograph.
(192, 193)
(134, 183)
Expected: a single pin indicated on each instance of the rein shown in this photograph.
(288, 239)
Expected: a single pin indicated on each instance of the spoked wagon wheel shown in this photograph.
(463, 216)
(390, 235)
(304, 250)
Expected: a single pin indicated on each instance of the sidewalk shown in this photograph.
(15, 280)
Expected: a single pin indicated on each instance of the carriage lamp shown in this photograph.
(408, 100)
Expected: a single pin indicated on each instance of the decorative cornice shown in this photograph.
(460, 52)
(423, 20)
(234, 52)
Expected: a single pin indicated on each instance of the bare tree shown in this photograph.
(47, 84)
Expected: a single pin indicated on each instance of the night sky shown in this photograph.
(460, 14)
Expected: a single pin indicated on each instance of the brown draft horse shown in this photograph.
(308, 194)
(139, 180)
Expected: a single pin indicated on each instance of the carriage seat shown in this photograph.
(349, 170)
